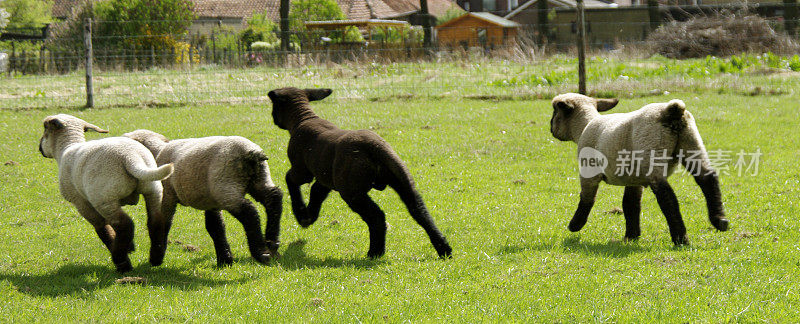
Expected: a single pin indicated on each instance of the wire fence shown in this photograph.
(480, 61)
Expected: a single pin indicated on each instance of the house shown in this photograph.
(234, 13)
(497, 7)
(477, 29)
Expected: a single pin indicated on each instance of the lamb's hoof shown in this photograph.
(375, 255)
(680, 240)
(224, 262)
(445, 251)
(273, 246)
(721, 224)
(576, 225)
(305, 222)
(124, 266)
(132, 248)
(263, 258)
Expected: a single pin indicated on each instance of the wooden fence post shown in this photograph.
(790, 16)
(581, 49)
(655, 15)
(87, 42)
(542, 22)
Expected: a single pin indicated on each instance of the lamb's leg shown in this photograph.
(632, 208)
(159, 221)
(247, 214)
(103, 230)
(123, 227)
(669, 206)
(588, 193)
(298, 205)
(216, 229)
(272, 200)
(709, 183)
(318, 194)
(363, 205)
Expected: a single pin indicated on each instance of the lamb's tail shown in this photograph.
(142, 172)
(403, 184)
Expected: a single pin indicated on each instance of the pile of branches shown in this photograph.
(720, 35)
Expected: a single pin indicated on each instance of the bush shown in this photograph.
(3, 17)
(259, 29)
(722, 35)
(27, 13)
(145, 24)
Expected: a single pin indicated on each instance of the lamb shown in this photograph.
(100, 176)
(213, 174)
(350, 162)
(661, 134)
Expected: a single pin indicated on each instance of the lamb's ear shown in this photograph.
(87, 127)
(272, 95)
(562, 105)
(606, 104)
(53, 124)
(317, 94)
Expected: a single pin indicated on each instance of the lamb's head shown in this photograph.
(61, 130)
(289, 104)
(153, 141)
(572, 112)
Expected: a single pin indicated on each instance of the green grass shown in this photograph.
(498, 185)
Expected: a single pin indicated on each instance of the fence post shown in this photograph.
(284, 13)
(426, 24)
(542, 22)
(790, 16)
(655, 15)
(581, 49)
(87, 42)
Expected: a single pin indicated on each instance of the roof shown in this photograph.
(485, 16)
(352, 9)
(335, 24)
(559, 3)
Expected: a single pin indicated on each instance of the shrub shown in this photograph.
(156, 24)
(723, 35)
(259, 29)
(3, 17)
(26, 13)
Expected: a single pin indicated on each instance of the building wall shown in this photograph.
(604, 27)
(466, 33)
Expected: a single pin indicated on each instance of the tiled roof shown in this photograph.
(353, 9)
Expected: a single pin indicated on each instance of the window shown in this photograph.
(489, 5)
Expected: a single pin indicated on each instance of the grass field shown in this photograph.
(499, 186)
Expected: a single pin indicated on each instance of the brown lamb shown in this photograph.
(352, 162)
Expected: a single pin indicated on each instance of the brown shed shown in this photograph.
(477, 29)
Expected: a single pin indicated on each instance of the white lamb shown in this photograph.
(213, 174)
(100, 176)
(635, 150)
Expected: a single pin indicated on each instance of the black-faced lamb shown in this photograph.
(100, 176)
(636, 150)
(213, 174)
(352, 162)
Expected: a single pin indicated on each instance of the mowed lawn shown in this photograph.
(498, 185)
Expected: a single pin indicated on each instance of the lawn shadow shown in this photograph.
(81, 280)
(294, 258)
(613, 248)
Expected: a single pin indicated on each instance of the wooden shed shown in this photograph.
(477, 29)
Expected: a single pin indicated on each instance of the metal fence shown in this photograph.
(216, 66)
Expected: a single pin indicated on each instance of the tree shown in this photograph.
(306, 10)
(28, 13)
(152, 23)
